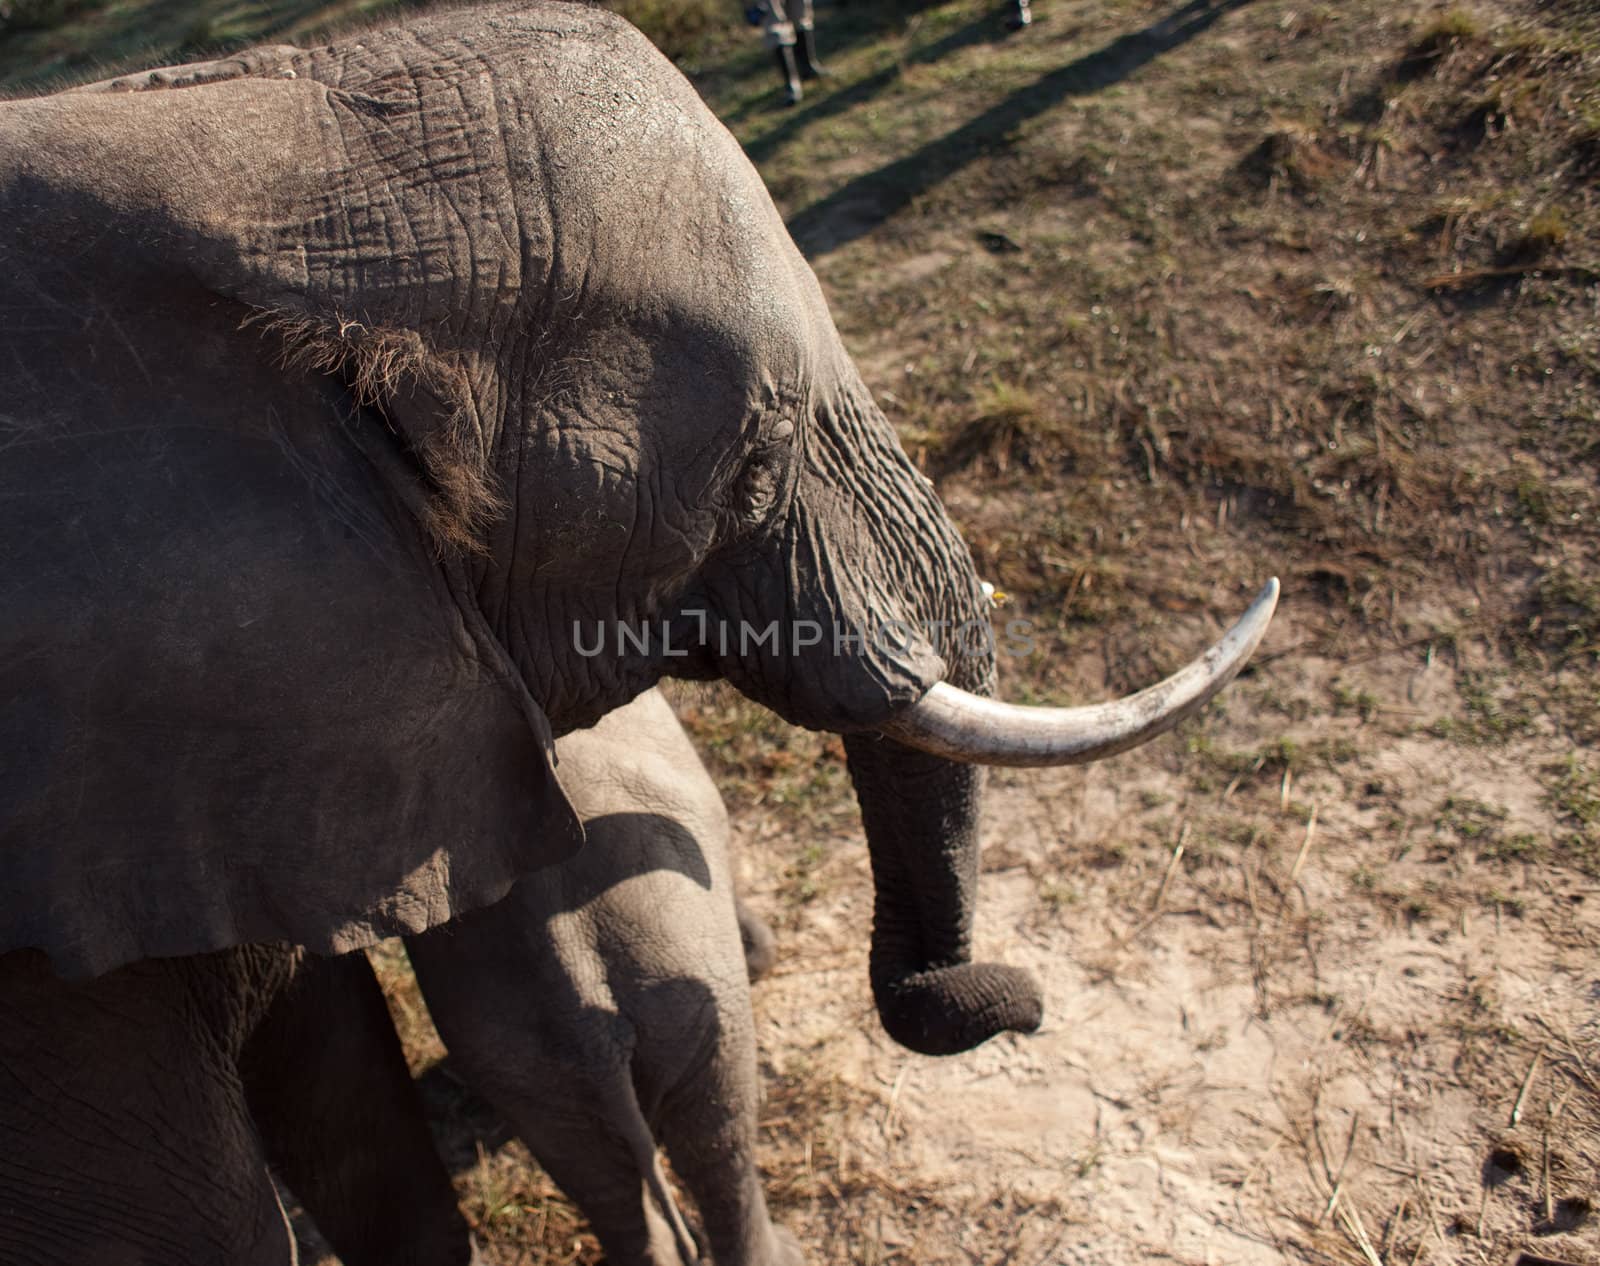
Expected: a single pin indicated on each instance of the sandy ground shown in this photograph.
(1355, 1042)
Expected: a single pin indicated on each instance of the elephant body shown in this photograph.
(604, 1005)
(139, 1111)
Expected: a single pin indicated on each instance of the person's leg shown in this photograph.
(805, 46)
(779, 35)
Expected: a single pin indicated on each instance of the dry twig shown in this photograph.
(1305, 846)
(1522, 1094)
(1172, 864)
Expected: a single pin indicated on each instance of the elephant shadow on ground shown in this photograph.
(866, 202)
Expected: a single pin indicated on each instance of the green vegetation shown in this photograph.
(1481, 831)
(1349, 699)
(682, 29)
(1573, 792)
(1490, 713)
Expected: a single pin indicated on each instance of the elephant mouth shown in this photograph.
(959, 726)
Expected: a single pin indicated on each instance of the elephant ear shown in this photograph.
(247, 697)
(371, 203)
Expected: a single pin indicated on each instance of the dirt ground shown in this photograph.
(1313, 1032)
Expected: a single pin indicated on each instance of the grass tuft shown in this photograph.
(1450, 32)
(1565, 613)
(1573, 793)
(1544, 236)
(1011, 429)
(1289, 160)
(682, 29)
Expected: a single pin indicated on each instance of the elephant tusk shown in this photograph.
(959, 726)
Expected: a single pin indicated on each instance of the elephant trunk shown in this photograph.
(921, 819)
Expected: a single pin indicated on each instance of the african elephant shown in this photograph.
(346, 396)
(604, 1003)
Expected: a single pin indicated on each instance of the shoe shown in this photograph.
(792, 92)
(1020, 16)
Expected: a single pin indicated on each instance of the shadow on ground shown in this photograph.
(869, 200)
(985, 29)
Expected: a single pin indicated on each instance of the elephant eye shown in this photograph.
(761, 481)
(765, 477)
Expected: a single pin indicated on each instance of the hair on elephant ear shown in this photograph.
(381, 364)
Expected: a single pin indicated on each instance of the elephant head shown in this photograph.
(587, 408)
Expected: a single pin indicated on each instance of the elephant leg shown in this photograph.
(343, 1124)
(760, 946)
(708, 1125)
(605, 1160)
(558, 1071)
(124, 1134)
